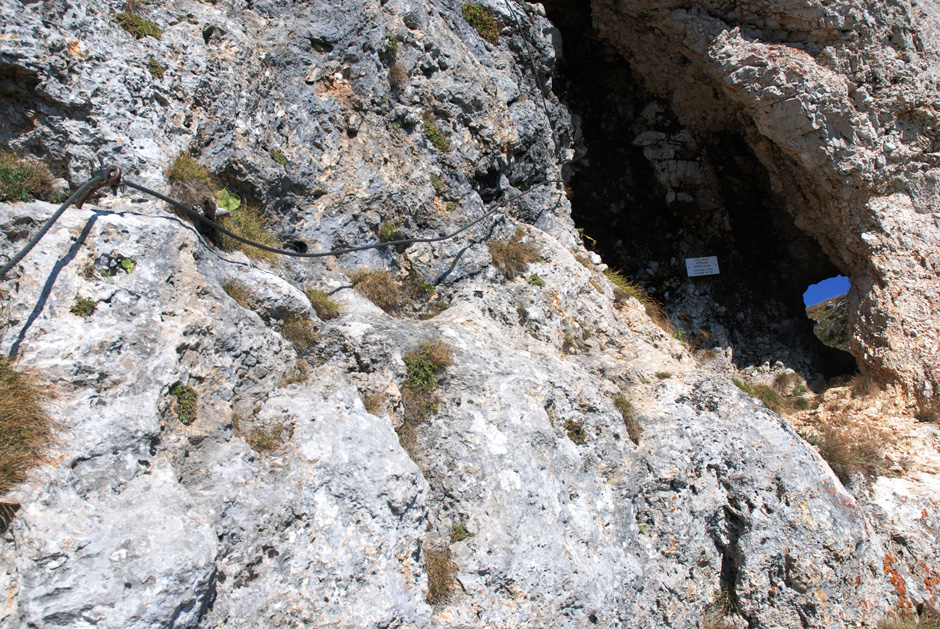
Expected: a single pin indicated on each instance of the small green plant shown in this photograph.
(482, 21)
(185, 168)
(459, 533)
(512, 256)
(299, 330)
(185, 403)
(388, 231)
(89, 271)
(25, 427)
(266, 440)
(128, 265)
(418, 393)
(392, 48)
(450, 206)
(138, 26)
(441, 570)
(663, 375)
(644, 380)
(435, 135)
(535, 280)
(438, 183)
(23, 179)
(743, 386)
(630, 422)
(83, 307)
(249, 222)
(278, 156)
(156, 70)
(576, 431)
(239, 292)
(322, 304)
(379, 288)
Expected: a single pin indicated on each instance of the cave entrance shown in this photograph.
(720, 203)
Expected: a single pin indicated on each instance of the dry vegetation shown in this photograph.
(630, 422)
(512, 256)
(298, 329)
(25, 427)
(378, 287)
(265, 440)
(322, 304)
(239, 292)
(625, 289)
(441, 571)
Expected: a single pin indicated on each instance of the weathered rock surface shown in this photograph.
(140, 520)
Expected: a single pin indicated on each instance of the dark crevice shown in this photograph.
(647, 215)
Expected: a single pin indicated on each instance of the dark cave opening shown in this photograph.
(649, 194)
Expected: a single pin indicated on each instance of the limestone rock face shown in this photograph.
(289, 499)
(838, 103)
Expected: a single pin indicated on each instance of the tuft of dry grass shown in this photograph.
(298, 329)
(864, 386)
(24, 179)
(849, 448)
(398, 74)
(379, 288)
(512, 256)
(928, 410)
(25, 427)
(239, 292)
(630, 422)
(373, 403)
(625, 289)
(441, 572)
(322, 304)
(249, 222)
(266, 440)
(910, 620)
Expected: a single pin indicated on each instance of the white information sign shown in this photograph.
(702, 266)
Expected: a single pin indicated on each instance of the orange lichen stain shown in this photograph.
(897, 581)
(931, 579)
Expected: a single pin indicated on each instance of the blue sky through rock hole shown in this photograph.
(838, 285)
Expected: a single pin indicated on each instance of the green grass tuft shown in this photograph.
(24, 179)
(138, 26)
(278, 156)
(185, 168)
(249, 222)
(436, 136)
(156, 70)
(185, 403)
(83, 307)
(482, 21)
